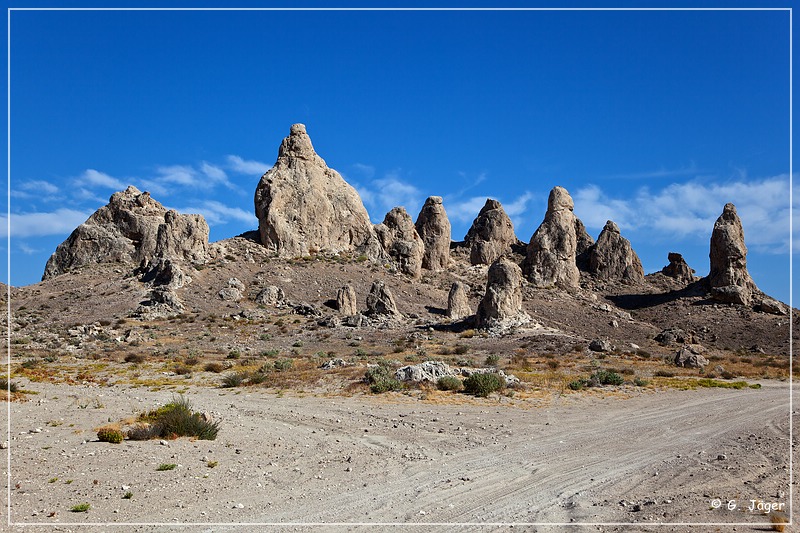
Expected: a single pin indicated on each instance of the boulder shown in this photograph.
(161, 303)
(426, 371)
(271, 295)
(771, 306)
(491, 234)
(552, 253)
(678, 268)
(164, 273)
(380, 301)
(433, 228)
(690, 356)
(728, 279)
(673, 336)
(400, 241)
(132, 228)
(346, 301)
(458, 301)
(612, 258)
(600, 345)
(304, 207)
(501, 306)
(233, 292)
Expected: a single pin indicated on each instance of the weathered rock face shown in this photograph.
(728, 278)
(458, 301)
(678, 268)
(690, 356)
(433, 228)
(303, 206)
(346, 301)
(583, 246)
(271, 295)
(380, 301)
(612, 258)
(491, 234)
(400, 241)
(552, 252)
(165, 273)
(501, 305)
(131, 228)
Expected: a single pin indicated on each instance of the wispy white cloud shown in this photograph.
(218, 213)
(94, 178)
(59, 222)
(381, 195)
(27, 250)
(177, 174)
(464, 210)
(245, 166)
(365, 171)
(688, 210)
(688, 170)
(39, 187)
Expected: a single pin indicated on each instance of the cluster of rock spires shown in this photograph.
(304, 207)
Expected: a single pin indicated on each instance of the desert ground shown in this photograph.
(607, 457)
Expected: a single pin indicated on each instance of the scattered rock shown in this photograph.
(458, 302)
(400, 241)
(773, 307)
(230, 294)
(346, 301)
(161, 303)
(491, 234)
(678, 268)
(689, 356)
(501, 306)
(131, 228)
(334, 363)
(304, 207)
(600, 345)
(552, 253)
(166, 273)
(426, 371)
(673, 336)
(380, 301)
(612, 257)
(433, 228)
(728, 279)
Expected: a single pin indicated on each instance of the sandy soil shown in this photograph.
(600, 457)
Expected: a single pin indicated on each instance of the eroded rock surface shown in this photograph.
(131, 228)
(612, 258)
(400, 241)
(491, 234)
(380, 301)
(458, 301)
(678, 268)
(501, 306)
(433, 228)
(304, 207)
(346, 301)
(728, 278)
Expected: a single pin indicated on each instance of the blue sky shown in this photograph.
(654, 119)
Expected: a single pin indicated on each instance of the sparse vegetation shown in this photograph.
(81, 508)
(166, 466)
(173, 420)
(7, 385)
(449, 383)
(492, 359)
(110, 434)
(483, 385)
(127, 496)
(380, 378)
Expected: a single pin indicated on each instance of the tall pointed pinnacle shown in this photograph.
(728, 278)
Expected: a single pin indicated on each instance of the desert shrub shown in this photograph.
(234, 379)
(725, 374)
(449, 383)
(214, 367)
(492, 359)
(483, 384)
(176, 419)
(110, 434)
(10, 386)
(134, 358)
(31, 363)
(233, 354)
(143, 432)
(460, 349)
(283, 364)
(80, 508)
(380, 378)
(607, 377)
(640, 382)
(626, 371)
(166, 466)
(191, 360)
(553, 364)
(664, 374)
(183, 370)
(578, 384)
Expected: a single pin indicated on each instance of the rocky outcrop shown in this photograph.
(678, 268)
(432, 371)
(612, 258)
(400, 241)
(271, 295)
(304, 207)
(233, 292)
(433, 228)
(346, 301)
(690, 356)
(772, 306)
(552, 253)
(728, 278)
(131, 228)
(501, 306)
(162, 302)
(380, 301)
(164, 273)
(491, 234)
(458, 301)
(583, 245)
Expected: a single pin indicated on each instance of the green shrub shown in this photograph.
(214, 367)
(173, 420)
(483, 384)
(492, 359)
(639, 382)
(380, 378)
(80, 508)
(283, 364)
(449, 383)
(127, 496)
(578, 384)
(166, 466)
(235, 379)
(135, 358)
(9, 386)
(110, 434)
(607, 377)
(664, 374)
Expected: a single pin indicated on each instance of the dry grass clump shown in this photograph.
(173, 420)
